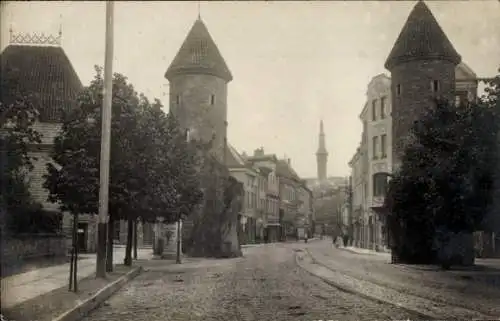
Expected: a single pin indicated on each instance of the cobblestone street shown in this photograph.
(456, 293)
(265, 285)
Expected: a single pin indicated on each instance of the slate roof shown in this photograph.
(285, 170)
(234, 159)
(421, 38)
(199, 55)
(46, 73)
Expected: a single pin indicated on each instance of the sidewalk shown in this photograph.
(358, 250)
(25, 286)
(488, 263)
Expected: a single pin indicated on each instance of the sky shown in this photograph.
(293, 63)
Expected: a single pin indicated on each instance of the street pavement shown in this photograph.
(461, 293)
(19, 288)
(265, 285)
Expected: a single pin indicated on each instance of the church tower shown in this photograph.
(198, 78)
(321, 154)
(422, 65)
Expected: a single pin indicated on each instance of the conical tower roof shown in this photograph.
(46, 73)
(199, 55)
(421, 38)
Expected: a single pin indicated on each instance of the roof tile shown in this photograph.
(199, 54)
(421, 38)
(47, 74)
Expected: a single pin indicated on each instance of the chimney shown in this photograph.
(289, 162)
(258, 152)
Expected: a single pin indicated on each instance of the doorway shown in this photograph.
(82, 236)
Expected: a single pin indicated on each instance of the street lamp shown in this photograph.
(179, 226)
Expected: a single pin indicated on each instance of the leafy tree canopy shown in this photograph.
(150, 163)
(17, 116)
(448, 170)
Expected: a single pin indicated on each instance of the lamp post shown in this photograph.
(105, 144)
(179, 217)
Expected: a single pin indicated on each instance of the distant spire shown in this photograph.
(322, 144)
(199, 10)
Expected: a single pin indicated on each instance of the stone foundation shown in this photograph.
(24, 247)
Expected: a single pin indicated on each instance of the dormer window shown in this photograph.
(212, 100)
(435, 86)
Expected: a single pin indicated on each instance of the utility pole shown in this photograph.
(350, 210)
(105, 144)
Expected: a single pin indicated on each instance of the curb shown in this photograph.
(354, 292)
(81, 310)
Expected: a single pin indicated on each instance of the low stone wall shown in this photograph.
(31, 246)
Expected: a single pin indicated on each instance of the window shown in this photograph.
(178, 99)
(383, 146)
(461, 97)
(374, 110)
(375, 147)
(382, 107)
(380, 184)
(435, 86)
(398, 90)
(212, 99)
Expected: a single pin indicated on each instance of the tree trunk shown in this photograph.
(128, 251)
(109, 245)
(135, 239)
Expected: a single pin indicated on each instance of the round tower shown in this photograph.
(422, 65)
(198, 78)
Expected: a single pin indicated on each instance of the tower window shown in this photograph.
(212, 100)
(435, 86)
(178, 99)
(398, 90)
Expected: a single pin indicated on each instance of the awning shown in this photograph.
(381, 210)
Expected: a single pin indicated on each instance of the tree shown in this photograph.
(445, 182)
(215, 222)
(18, 114)
(151, 162)
(75, 181)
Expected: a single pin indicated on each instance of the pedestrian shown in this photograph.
(345, 239)
(305, 237)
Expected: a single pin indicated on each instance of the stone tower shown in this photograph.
(321, 154)
(198, 78)
(422, 65)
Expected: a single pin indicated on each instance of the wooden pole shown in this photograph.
(75, 261)
(72, 255)
(135, 239)
(105, 144)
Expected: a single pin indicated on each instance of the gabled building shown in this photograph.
(44, 71)
(267, 164)
(249, 176)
